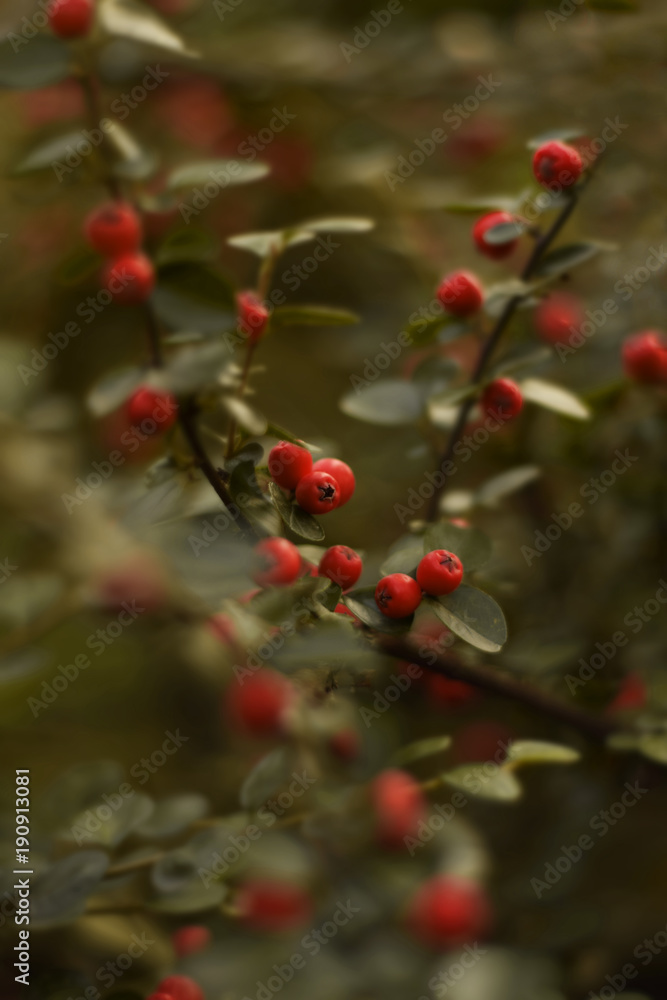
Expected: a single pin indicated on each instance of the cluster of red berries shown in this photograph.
(278, 563)
(71, 18)
(115, 231)
(555, 164)
(399, 595)
(320, 487)
(645, 356)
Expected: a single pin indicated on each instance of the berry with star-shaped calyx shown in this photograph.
(439, 572)
(318, 493)
(341, 472)
(342, 565)
(398, 595)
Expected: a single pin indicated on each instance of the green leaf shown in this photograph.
(37, 62)
(249, 419)
(192, 368)
(565, 258)
(129, 19)
(504, 232)
(298, 520)
(497, 296)
(186, 244)
(132, 813)
(61, 893)
(654, 746)
(330, 596)
(266, 778)
(554, 397)
(312, 316)
(173, 815)
(539, 752)
(506, 483)
(46, 153)
(113, 390)
(190, 295)
(485, 781)
(338, 224)
(132, 161)
(276, 431)
(424, 330)
(77, 267)
(555, 134)
(443, 409)
(225, 173)
(362, 604)
(474, 616)
(390, 403)
(427, 747)
(195, 898)
(471, 545)
(403, 556)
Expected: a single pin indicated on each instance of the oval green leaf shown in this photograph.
(474, 616)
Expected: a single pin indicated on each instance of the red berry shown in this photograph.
(558, 316)
(181, 988)
(71, 18)
(645, 356)
(137, 578)
(502, 399)
(318, 493)
(113, 229)
(288, 463)
(494, 250)
(152, 411)
(257, 704)
(189, 940)
(342, 609)
(273, 906)
(459, 522)
(277, 562)
(439, 572)
(341, 472)
(222, 627)
(630, 695)
(253, 316)
(447, 692)
(557, 163)
(460, 293)
(448, 911)
(342, 565)
(130, 278)
(345, 744)
(398, 595)
(399, 806)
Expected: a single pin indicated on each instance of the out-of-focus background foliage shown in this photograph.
(353, 119)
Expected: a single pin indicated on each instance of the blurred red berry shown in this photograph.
(318, 493)
(502, 399)
(181, 988)
(460, 293)
(558, 316)
(399, 806)
(190, 940)
(130, 278)
(342, 565)
(253, 316)
(631, 694)
(645, 356)
(345, 744)
(448, 911)
(446, 692)
(494, 250)
(113, 229)
(152, 411)
(137, 581)
(277, 562)
(71, 18)
(273, 906)
(257, 704)
(289, 463)
(341, 472)
(398, 595)
(439, 572)
(557, 163)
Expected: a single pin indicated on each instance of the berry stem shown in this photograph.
(541, 246)
(90, 86)
(231, 432)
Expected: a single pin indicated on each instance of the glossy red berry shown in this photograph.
(439, 572)
(190, 940)
(502, 399)
(113, 229)
(558, 317)
(253, 316)
(460, 293)
(277, 562)
(645, 356)
(257, 704)
(341, 472)
(398, 595)
(342, 565)
(181, 988)
(273, 906)
(318, 493)
(494, 250)
(399, 806)
(130, 278)
(448, 911)
(71, 18)
(289, 463)
(151, 411)
(556, 163)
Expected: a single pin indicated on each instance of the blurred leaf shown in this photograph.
(474, 616)
(497, 296)
(555, 135)
(563, 259)
(506, 483)
(130, 19)
(362, 605)
(485, 781)
(173, 815)
(443, 408)
(133, 812)
(478, 206)
(249, 419)
(421, 748)
(132, 161)
(37, 62)
(338, 224)
(191, 296)
(471, 545)
(195, 898)
(187, 244)
(403, 556)
(46, 153)
(60, 894)
(79, 787)
(233, 172)
(390, 403)
(504, 232)
(275, 431)
(113, 390)
(312, 316)
(554, 397)
(191, 368)
(425, 330)
(266, 778)
(330, 596)
(78, 266)
(539, 752)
